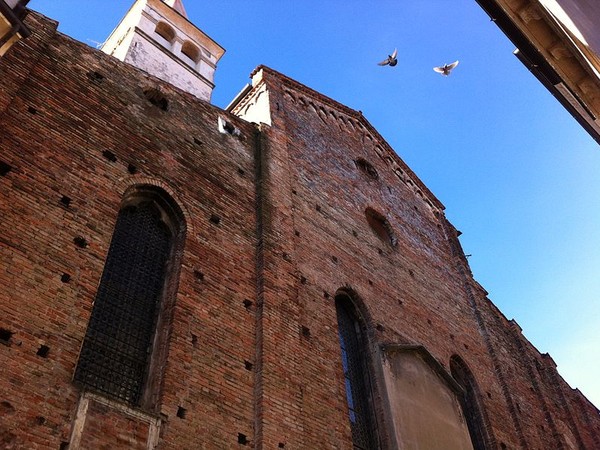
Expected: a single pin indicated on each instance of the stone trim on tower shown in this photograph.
(157, 37)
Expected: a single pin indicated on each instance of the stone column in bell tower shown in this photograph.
(157, 36)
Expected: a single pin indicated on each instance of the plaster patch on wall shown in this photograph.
(425, 409)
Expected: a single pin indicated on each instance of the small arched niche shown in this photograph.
(366, 168)
(381, 227)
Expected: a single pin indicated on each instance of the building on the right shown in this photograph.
(12, 13)
(559, 42)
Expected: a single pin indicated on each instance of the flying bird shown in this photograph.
(446, 68)
(391, 60)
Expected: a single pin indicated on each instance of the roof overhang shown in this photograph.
(553, 56)
(12, 27)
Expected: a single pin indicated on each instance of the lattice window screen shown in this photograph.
(116, 350)
(469, 403)
(355, 374)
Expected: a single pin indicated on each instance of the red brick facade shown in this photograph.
(275, 225)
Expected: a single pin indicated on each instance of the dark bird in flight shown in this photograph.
(391, 60)
(446, 68)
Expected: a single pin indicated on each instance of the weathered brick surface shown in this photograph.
(107, 428)
(253, 351)
(419, 292)
(58, 121)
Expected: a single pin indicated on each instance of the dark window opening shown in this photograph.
(115, 355)
(43, 351)
(356, 375)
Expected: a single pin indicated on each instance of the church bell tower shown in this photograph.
(156, 36)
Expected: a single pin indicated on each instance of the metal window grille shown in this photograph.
(355, 373)
(116, 350)
(469, 404)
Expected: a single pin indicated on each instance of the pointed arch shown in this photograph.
(352, 333)
(124, 347)
(471, 404)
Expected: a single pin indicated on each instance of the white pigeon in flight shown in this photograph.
(446, 68)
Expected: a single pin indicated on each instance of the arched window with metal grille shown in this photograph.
(138, 280)
(471, 404)
(353, 346)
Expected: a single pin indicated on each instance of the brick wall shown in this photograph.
(76, 131)
(419, 291)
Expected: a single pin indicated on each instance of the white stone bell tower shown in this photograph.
(156, 36)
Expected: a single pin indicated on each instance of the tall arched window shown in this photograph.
(470, 402)
(121, 339)
(353, 345)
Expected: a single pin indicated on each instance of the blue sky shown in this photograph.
(518, 176)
